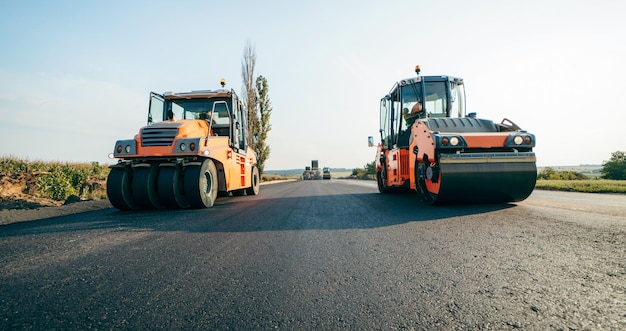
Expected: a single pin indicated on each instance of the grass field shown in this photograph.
(588, 185)
(591, 170)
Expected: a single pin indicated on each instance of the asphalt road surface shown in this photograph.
(323, 255)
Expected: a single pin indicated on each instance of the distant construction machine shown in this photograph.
(312, 172)
(430, 145)
(326, 173)
(307, 174)
(315, 169)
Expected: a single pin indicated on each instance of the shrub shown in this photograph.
(56, 185)
(58, 181)
(551, 174)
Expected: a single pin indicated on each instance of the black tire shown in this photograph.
(381, 186)
(144, 186)
(255, 188)
(170, 188)
(201, 184)
(119, 189)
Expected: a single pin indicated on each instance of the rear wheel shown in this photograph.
(201, 184)
(381, 185)
(119, 189)
(144, 186)
(255, 181)
(170, 188)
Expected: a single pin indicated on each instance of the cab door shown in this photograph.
(156, 108)
(241, 167)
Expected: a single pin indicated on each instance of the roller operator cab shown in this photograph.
(193, 148)
(429, 144)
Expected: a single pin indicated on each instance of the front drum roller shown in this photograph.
(490, 182)
(200, 182)
(119, 189)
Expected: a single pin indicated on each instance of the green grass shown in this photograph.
(587, 185)
(58, 180)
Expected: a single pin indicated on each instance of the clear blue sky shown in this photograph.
(75, 75)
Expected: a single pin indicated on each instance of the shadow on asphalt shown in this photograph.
(250, 214)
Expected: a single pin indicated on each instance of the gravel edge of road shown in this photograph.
(10, 216)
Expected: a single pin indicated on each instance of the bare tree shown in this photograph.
(265, 110)
(249, 91)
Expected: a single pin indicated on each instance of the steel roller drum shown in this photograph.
(490, 182)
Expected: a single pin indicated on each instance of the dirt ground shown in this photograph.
(20, 201)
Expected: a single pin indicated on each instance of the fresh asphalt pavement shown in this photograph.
(324, 255)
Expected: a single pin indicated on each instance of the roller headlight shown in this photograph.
(455, 142)
(518, 140)
(125, 147)
(527, 140)
(183, 147)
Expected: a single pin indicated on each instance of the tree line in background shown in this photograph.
(256, 100)
(614, 169)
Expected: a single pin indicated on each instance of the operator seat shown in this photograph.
(410, 118)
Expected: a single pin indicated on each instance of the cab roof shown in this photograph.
(441, 78)
(199, 94)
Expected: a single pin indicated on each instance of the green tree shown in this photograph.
(249, 91)
(615, 168)
(265, 111)
(370, 168)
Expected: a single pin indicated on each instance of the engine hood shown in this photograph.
(164, 133)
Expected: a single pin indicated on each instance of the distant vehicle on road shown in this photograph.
(326, 173)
